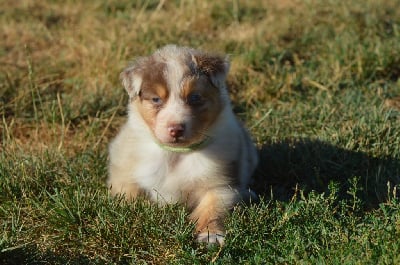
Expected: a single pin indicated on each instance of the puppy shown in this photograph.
(182, 142)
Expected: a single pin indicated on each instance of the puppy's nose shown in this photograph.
(176, 130)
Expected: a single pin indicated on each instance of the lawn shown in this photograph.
(316, 82)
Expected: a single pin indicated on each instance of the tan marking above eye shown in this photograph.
(150, 92)
(161, 91)
(188, 86)
(197, 84)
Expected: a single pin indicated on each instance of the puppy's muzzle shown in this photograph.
(176, 130)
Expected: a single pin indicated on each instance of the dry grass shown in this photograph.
(76, 49)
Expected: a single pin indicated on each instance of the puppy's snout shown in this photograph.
(176, 130)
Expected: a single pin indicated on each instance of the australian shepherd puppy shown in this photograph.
(182, 142)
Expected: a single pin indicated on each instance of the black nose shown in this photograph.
(176, 130)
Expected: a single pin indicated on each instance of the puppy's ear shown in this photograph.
(214, 66)
(131, 80)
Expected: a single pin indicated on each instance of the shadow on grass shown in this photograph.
(312, 165)
(31, 255)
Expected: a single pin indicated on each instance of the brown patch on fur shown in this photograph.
(153, 78)
(148, 112)
(205, 114)
(210, 64)
(208, 214)
(189, 86)
(161, 90)
(153, 85)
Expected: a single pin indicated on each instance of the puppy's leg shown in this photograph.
(209, 215)
(119, 182)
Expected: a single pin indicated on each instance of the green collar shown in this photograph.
(186, 149)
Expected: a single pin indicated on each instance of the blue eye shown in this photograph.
(195, 99)
(156, 100)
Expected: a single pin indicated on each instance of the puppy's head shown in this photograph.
(179, 92)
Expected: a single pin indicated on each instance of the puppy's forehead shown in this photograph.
(153, 78)
(170, 72)
(176, 73)
(153, 72)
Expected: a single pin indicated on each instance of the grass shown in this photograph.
(317, 82)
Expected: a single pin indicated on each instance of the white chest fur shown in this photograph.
(166, 176)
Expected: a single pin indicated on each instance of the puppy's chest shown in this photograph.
(168, 175)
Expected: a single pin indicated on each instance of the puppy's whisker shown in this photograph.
(205, 134)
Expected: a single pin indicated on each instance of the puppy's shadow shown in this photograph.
(30, 254)
(313, 164)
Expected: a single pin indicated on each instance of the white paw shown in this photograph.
(211, 238)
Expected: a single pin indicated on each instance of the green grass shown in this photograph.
(317, 82)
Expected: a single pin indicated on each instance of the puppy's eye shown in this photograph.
(156, 100)
(194, 99)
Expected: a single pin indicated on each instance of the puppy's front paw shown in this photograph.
(211, 238)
